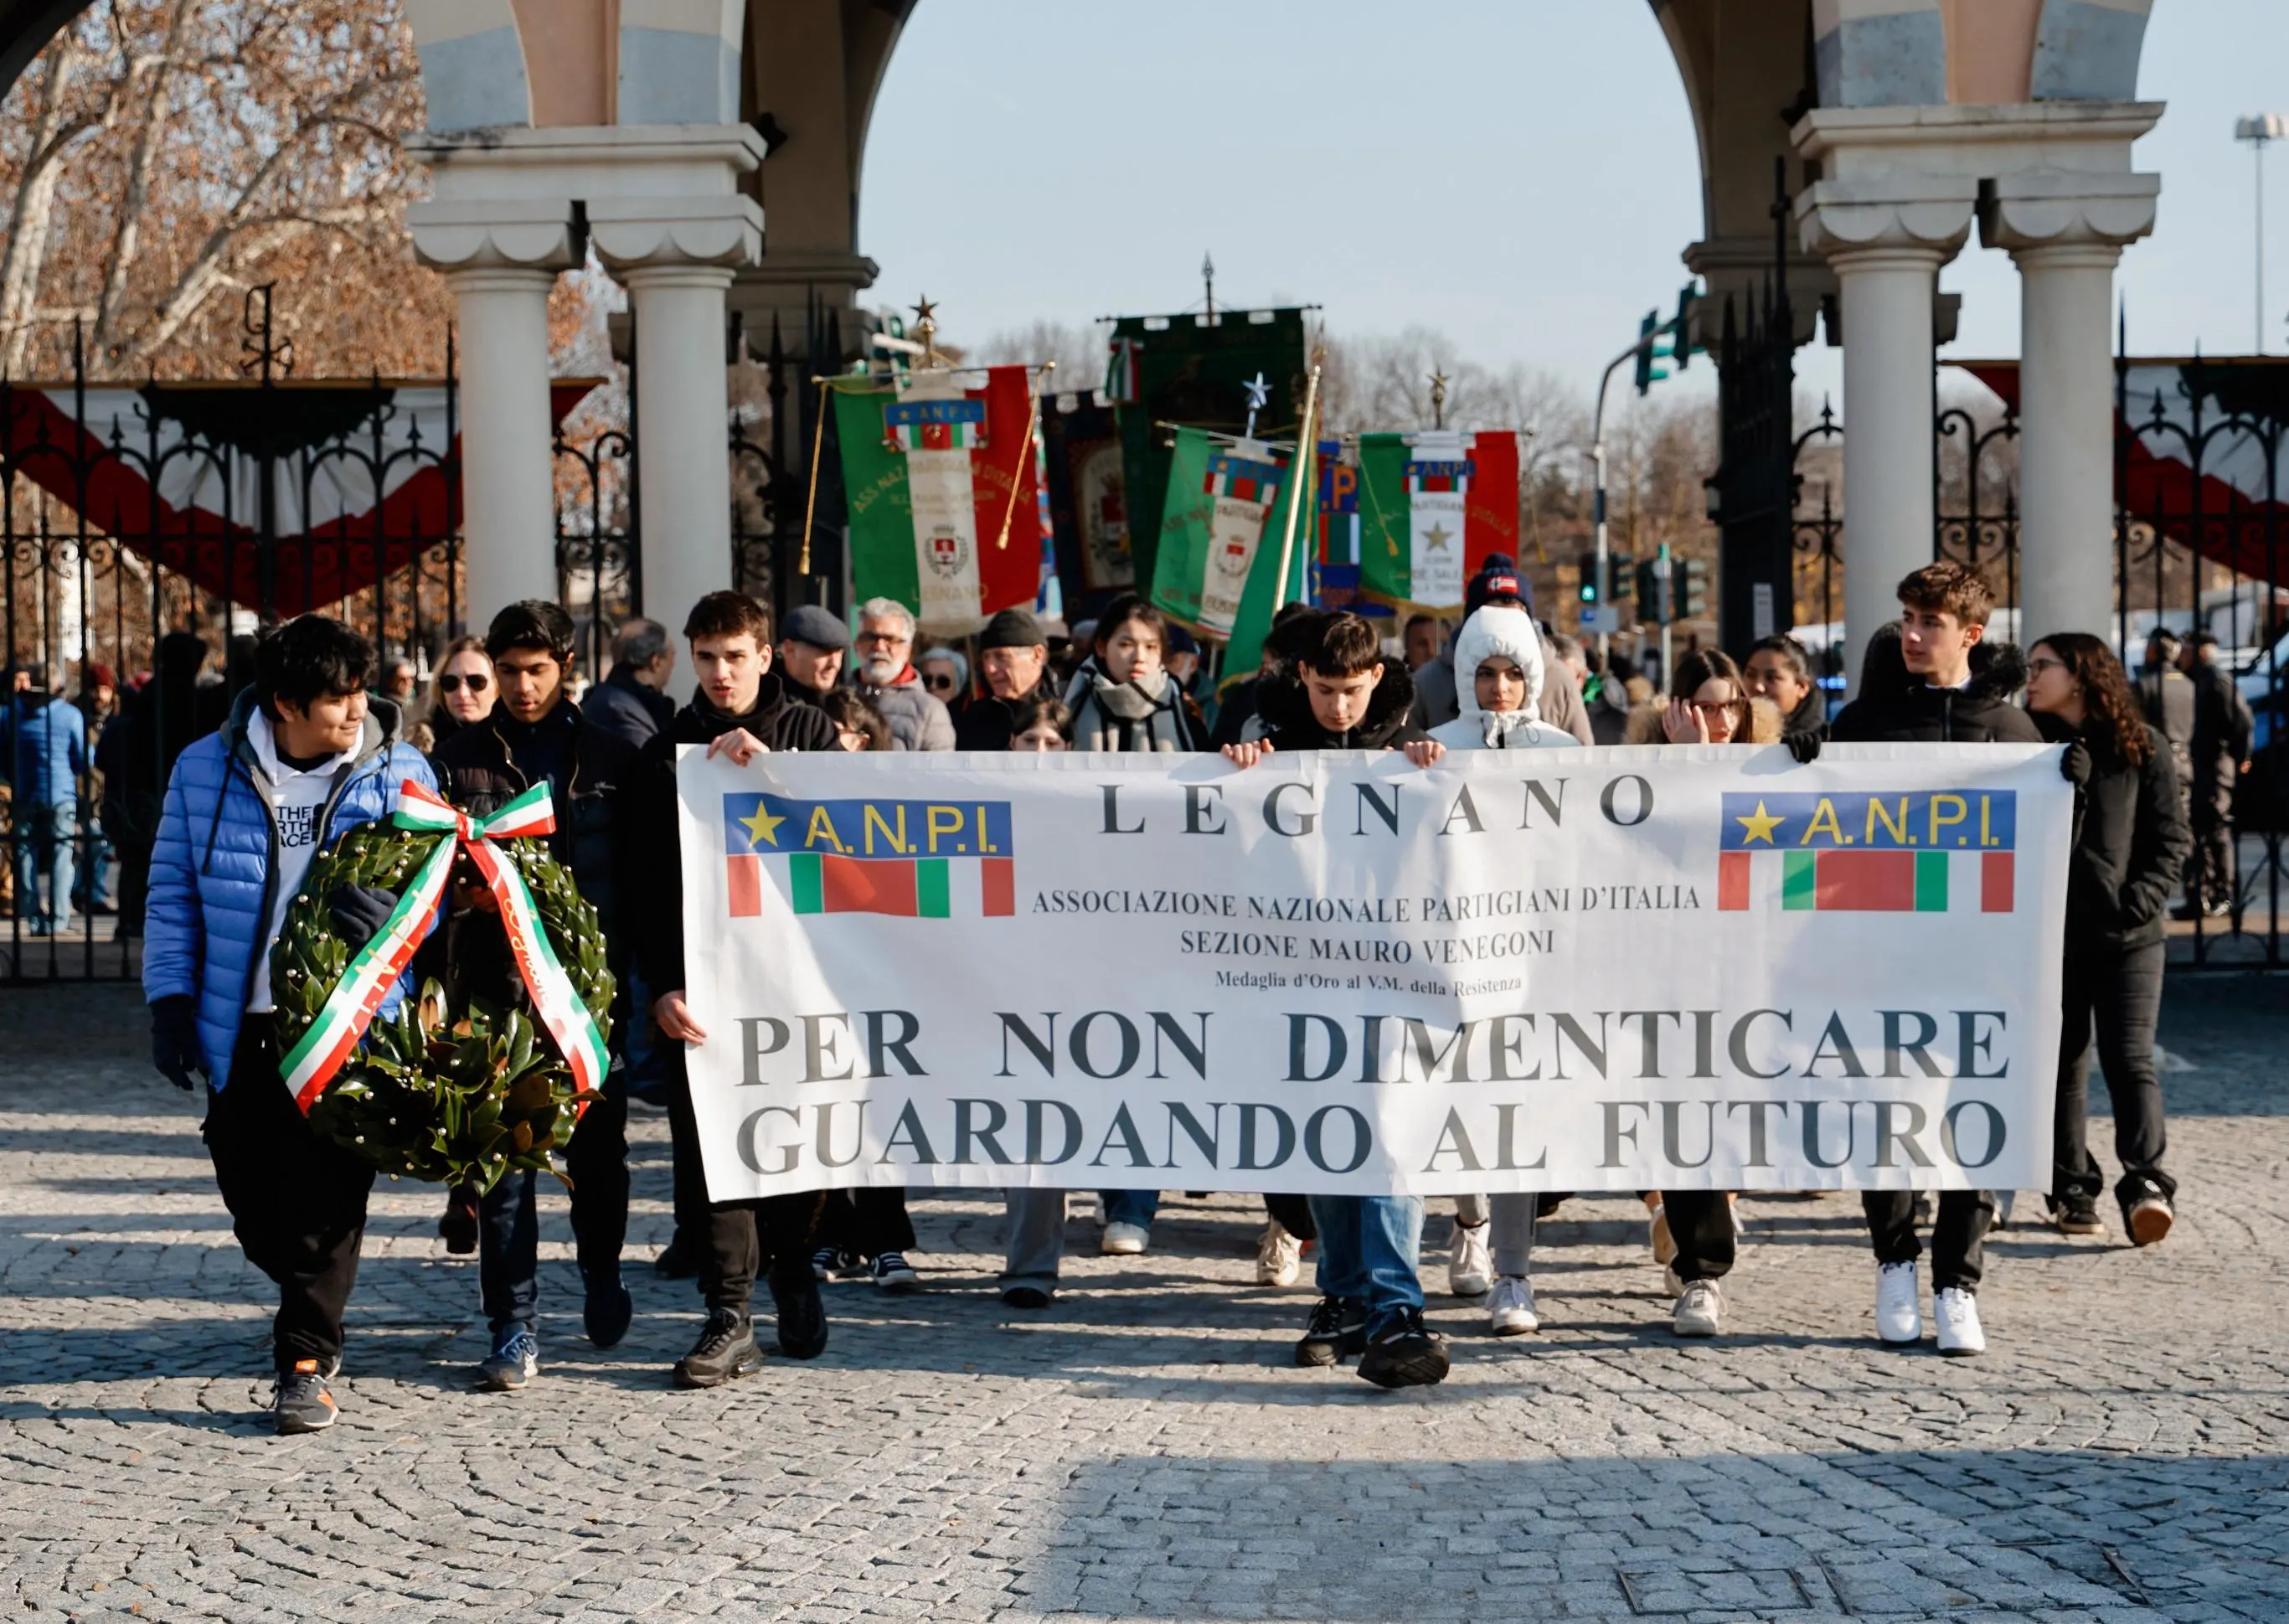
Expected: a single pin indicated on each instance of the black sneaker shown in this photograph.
(302, 1403)
(726, 1349)
(802, 1316)
(826, 1264)
(1026, 1296)
(2077, 1215)
(1337, 1331)
(1408, 1353)
(677, 1261)
(608, 1308)
(2146, 1212)
(893, 1273)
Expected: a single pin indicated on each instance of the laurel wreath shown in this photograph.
(454, 1095)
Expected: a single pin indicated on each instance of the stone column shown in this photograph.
(500, 261)
(2067, 233)
(1887, 238)
(677, 256)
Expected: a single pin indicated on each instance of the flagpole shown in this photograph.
(810, 502)
(1306, 467)
(1025, 453)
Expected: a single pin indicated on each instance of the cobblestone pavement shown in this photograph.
(1142, 1451)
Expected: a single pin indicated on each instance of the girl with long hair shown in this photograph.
(2131, 840)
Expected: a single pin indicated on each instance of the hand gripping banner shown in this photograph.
(376, 966)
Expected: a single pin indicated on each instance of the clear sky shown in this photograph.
(1519, 171)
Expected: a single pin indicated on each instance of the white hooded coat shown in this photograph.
(1499, 629)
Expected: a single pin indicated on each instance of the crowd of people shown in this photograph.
(307, 750)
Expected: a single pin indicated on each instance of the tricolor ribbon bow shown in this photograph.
(376, 966)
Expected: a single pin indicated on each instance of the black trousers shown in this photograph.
(2118, 993)
(596, 1162)
(1293, 1213)
(2209, 867)
(297, 1200)
(1958, 1233)
(738, 1242)
(867, 1222)
(1701, 1223)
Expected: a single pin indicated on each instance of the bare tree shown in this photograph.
(169, 153)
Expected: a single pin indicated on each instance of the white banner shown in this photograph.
(1701, 967)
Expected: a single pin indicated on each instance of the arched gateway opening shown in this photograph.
(711, 160)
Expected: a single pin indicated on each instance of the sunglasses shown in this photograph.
(939, 684)
(451, 681)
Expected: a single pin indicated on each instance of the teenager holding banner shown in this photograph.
(1129, 704)
(537, 735)
(306, 755)
(2131, 842)
(1954, 686)
(740, 711)
(1499, 665)
(1343, 696)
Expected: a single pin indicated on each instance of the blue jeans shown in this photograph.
(1136, 1206)
(508, 1252)
(43, 845)
(1367, 1249)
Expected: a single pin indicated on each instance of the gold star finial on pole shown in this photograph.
(926, 330)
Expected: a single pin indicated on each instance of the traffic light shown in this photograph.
(1621, 577)
(1656, 602)
(1693, 591)
(1680, 328)
(1651, 349)
(1592, 592)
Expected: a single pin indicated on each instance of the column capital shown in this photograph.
(1912, 218)
(633, 233)
(2042, 210)
(531, 234)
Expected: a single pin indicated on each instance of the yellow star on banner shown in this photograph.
(763, 828)
(1761, 824)
(1436, 538)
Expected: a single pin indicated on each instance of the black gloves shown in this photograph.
(360, 911)
(1803, 746)
(175, 1039)
(2074, 766)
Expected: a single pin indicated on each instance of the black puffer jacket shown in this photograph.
(1285, 705)
(489, 763)
(655, 842)
(2131, 840)
(1915, 713)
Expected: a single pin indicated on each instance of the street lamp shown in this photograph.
(2258, 130)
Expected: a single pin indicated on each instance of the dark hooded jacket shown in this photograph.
(782, 723)
(489, 763)
(1905, 709)
(2131, 840)
(1285, 705)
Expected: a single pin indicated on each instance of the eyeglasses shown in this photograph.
(1716, 707)
(451, 681)
(2042, 663)
(884, 638)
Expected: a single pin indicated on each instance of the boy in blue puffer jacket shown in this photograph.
(305, 754)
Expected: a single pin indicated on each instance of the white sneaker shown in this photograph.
(1472, 1268)
(1957, 1310)
(1700, 1310)
(1899, 1304)
(1279, 1256)
(1124, 1239)
(1665, 1247)
(1509, 1312)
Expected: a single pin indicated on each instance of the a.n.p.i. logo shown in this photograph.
(1915, 851)
(919, 859)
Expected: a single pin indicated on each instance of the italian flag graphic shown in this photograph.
(934, 472)
(914, 859)
(1925, 851)
(1432, 506)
